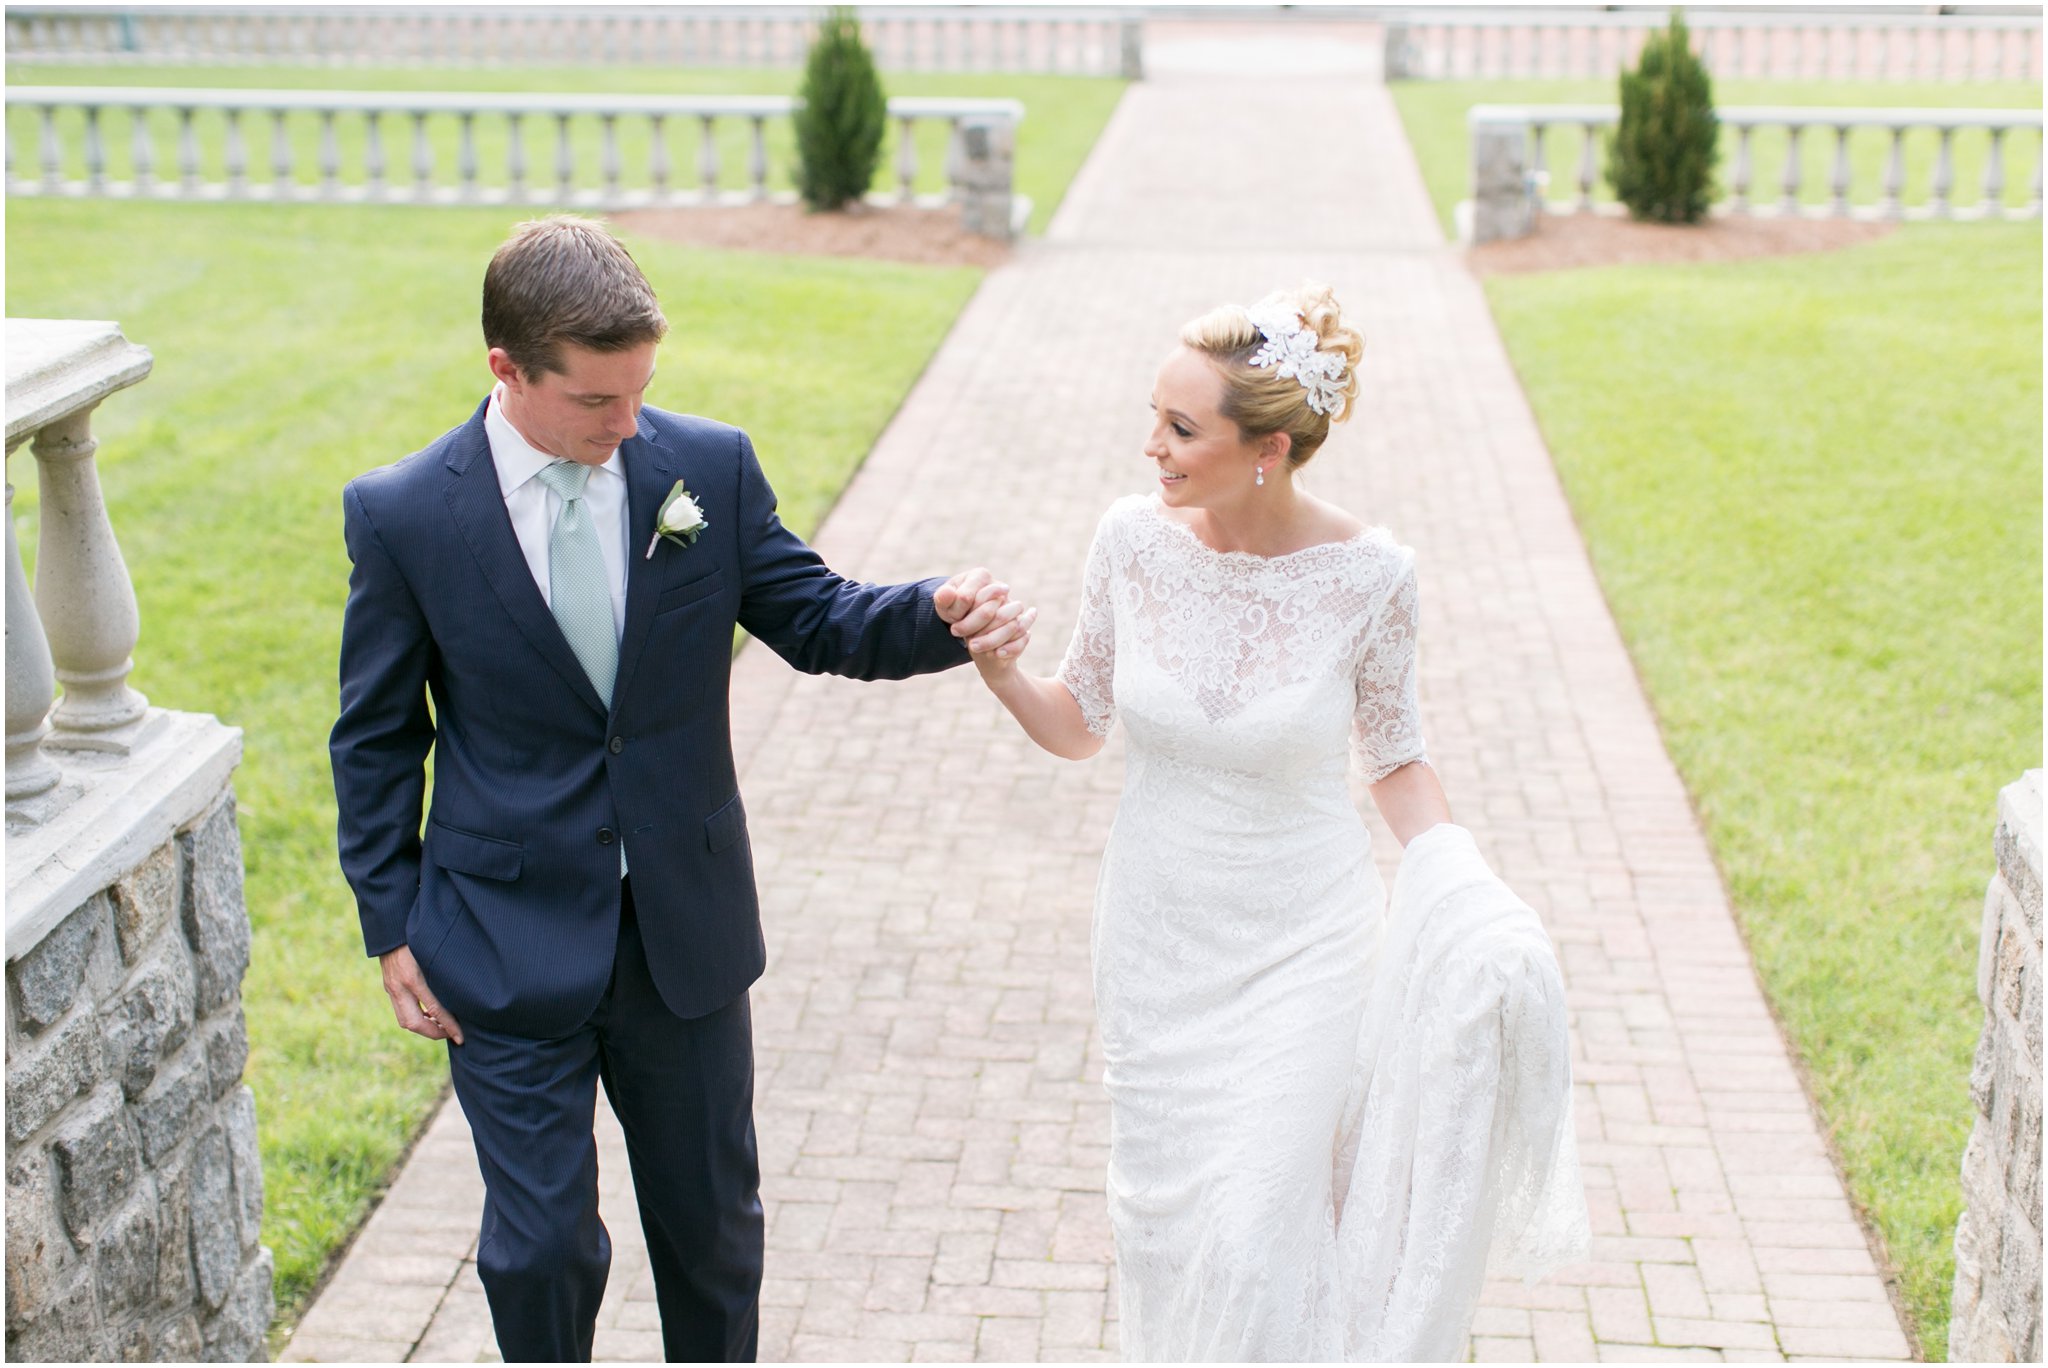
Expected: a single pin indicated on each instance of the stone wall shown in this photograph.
(134, 1190)
(1996, 1316)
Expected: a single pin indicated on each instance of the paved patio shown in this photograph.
(933, 1132)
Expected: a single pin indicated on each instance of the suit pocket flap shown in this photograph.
(704, 586)
(466, 853)
(726, 825)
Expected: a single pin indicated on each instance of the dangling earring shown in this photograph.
(1260, 478)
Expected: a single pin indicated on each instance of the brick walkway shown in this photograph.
(933, 1132)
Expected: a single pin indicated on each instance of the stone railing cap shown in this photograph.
(1807, 116)
(56, 366)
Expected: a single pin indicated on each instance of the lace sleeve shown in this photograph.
(1090, 662)
(1386, 731)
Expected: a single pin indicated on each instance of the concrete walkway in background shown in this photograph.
(933, 1129)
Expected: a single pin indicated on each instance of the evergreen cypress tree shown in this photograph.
(839, 129)
(1661, 156)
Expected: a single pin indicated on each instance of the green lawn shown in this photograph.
(295, 348)
(1434, 115)
(1811, 487)
(1062, 117)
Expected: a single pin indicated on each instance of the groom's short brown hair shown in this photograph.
(566, 279)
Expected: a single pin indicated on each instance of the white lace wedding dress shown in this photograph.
(1271, 1197)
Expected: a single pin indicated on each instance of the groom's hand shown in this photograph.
(977, 605)
(412, 1000)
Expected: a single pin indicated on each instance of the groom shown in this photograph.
(581, 904)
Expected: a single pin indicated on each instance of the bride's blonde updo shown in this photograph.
(1259, 399)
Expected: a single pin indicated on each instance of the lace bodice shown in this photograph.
(1233, 628)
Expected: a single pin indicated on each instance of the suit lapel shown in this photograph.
(650, 474)
(478, 507)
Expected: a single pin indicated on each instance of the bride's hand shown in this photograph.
(995, 651)
(978, 607)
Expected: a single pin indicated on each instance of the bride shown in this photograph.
(1330, 1119)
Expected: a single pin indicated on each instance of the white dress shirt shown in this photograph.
(533, 507)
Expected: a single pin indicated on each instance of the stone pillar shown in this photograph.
(1397, 44)
(134, 1189)
(1131, 45)
(1996, 1312)
(1503, 203)
(983, 175)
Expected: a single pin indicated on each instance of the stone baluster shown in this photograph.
(465, 155)
(565, 161)
(31, 678)
(1994, 176)
(1738, 189)
(281, 187)
(330, 157)
(2034, 197)
(53, 152)
(237, 156)
(1944, 173)
(141, 152)
(515, 158)
(707, 158)
(188, 152)
(1840, 180)
(757, 158)
(373, 153)
(609, 155)
(657, 157)
(82, 587)
(1539, 166)
(1789, 202)
(95, 153)
(1894, 206)
(1586, 146)
(422, 158)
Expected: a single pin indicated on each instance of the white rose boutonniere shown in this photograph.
(680, 520)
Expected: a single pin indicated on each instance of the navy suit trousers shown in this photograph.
(683, 1090)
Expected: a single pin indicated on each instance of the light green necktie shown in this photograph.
(577, 591)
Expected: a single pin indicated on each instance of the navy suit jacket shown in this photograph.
(510, 897)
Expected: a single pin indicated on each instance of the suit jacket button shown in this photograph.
(618, 744)
(605, 836)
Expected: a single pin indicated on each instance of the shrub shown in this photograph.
(839, 128)
(1661, 157)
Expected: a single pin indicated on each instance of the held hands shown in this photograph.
(412, 1000)
(978, 606)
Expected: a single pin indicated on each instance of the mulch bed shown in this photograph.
(935, 237)
(1564, 241)
(931, 237)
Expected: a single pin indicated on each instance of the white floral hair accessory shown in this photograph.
(1290, 349)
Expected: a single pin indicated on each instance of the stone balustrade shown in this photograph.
(1996, 1312)
(1847, 45)
(1075, 41)
(1510, 151)
(980, 139)
(134, 1188)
